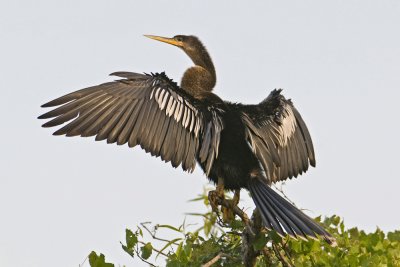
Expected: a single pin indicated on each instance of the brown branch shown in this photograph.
(236, 210)
(281, 257)
(249, 254)
(267, 253)
(286, 249)
(253, 227)
(213, 260)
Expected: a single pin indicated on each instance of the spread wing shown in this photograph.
(146, 110)
(279, 137)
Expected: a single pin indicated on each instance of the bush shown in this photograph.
(217, 243)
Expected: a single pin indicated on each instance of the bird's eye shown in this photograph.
(178, 38)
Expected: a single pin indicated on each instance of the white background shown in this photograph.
(62, 197)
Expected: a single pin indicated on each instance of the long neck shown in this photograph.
(203, 59)
(200, 78)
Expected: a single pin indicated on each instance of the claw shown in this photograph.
(215, 195)
(227, 213)
(213, 199)
(236, 198)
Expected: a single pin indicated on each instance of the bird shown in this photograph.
(238, 146)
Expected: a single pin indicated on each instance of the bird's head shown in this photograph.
(199, 55)
(187, 43)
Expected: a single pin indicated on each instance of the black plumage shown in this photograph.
(244, 146)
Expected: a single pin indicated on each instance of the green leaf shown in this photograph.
(131, 238)
(179, 249)
(140, 231)
(274, 236)
(146, 251)
(174, 263)
(394, 236)
(355, 247)
(98, 261)
(335, 220)
(260, 241)
(341, 226)
(315, 246)
(131, 241)
(196, 199)
(237, 224)
(168, 244)
(196, 214)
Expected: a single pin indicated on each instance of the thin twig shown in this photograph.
(153, 235)
(267, 253)
(80, 265)
(281, 257)
(280, 189)
(213, 260)
(286, 249)
(149, 263)
(145, 261)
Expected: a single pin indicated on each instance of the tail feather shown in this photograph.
(268, 210)
(288, 222)
(303, 219)
(303, 222)
(278, 214)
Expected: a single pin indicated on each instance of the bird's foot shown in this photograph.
(217, 196)
(236, 198)
(228, 214)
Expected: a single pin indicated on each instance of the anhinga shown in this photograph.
(237, 146)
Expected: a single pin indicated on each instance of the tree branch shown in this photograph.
(281, 257)
(213, 260)
(236, 210)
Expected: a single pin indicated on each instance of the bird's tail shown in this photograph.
(278, 214)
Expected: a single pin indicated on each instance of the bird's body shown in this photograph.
(244, 146)
(235, 161)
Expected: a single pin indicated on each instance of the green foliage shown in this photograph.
(146, 250)
(223, 245)
(131, 241)
(98, 261)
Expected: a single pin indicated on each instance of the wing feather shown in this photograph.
(132, 118)
(103, 119)
(149, 110)
(115, 132)
(91, 116)
(105, 131)
(278, 136)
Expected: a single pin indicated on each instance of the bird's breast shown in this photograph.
(197, 80)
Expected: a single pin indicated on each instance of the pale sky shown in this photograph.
(62, 197)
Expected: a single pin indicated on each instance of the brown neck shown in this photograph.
(203, 59)
(197, 80)
(201, 77)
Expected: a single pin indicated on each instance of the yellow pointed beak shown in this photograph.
(165, 40)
